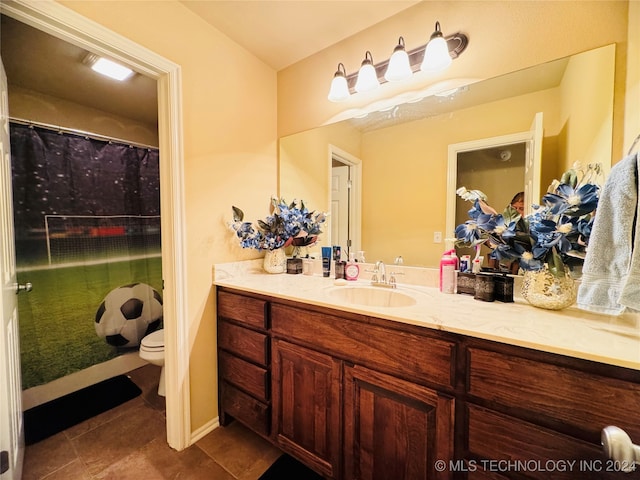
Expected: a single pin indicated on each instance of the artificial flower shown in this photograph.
(555, 235)
(288, 224)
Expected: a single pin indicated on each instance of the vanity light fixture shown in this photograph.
(436, 53)
(367, 76)
(107, 67)
(339, 88)
(432, 57)
(399, 67)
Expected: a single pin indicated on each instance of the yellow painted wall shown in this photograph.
(304, 165)
(37, 107)
(402, 203)
(632, 93)
(588, 124)
(504, 36)
(229, 111)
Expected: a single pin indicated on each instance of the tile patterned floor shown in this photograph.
(129, 443)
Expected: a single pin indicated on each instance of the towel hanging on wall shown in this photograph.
(611, 272)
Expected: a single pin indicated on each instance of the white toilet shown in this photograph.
(152, 350)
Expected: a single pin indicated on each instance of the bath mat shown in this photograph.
(52, 417)
(288, 467)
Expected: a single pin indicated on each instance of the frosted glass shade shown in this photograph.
(339, 91)
(436, 55)
(399, 67)
(367, 78)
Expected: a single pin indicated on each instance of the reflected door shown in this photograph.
(340, 206)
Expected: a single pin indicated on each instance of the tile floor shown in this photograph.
(129, 443)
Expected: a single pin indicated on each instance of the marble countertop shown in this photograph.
(613, 340)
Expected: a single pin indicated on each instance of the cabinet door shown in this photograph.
(306, 405)
(394, 429)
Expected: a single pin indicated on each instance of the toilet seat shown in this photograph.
(154, 341)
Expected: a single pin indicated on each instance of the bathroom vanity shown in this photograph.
(448, 387)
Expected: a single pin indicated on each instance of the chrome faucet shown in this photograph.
(379, 277)
(382, 271)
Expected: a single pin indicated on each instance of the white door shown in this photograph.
(340, 206)
(11, 427)
(533, 165)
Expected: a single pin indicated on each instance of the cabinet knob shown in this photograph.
(619, 447)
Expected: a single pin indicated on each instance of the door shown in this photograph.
(12, 431)
(340, 185)
(306, 406)
(533, 165)
(394, 429)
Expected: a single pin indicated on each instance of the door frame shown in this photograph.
(355, 194)
(62, 22)
(452, 168)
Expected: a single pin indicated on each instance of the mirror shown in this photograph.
(401, 155)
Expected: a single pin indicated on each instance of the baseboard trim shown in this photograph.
(204, 430)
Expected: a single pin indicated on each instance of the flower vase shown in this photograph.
(543, 289)
(275, 261)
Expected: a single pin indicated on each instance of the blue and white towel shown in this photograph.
(611, 272)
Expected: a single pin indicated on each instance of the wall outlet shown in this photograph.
(437, 237)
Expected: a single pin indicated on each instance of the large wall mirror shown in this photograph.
(399, 174)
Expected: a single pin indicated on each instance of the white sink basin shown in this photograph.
(372, 296)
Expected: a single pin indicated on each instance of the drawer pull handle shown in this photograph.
(619, 447)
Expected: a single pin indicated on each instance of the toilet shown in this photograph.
(152, 350)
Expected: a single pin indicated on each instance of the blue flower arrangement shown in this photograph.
(287, 225)
(555, 235)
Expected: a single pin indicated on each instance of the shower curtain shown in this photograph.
(87, 221)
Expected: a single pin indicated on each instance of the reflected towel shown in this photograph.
(611, 271)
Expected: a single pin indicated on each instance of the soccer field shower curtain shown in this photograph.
(87, 221)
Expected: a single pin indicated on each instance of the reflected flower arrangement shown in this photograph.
(288, 224)
(556, 234)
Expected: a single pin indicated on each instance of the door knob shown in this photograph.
(619, 447)
(23, 287)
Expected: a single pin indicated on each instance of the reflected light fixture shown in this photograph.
(399, 67)
(339, 88)
(367, 76)
(436, 53)
(435, 56)
(107, 67)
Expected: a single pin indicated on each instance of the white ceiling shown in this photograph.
(279, 32)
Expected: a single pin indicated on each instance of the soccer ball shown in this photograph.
(128, 313)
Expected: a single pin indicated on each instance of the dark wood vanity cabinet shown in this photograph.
(306, 399)
(356, 397)
(534, 415)
(244, 361)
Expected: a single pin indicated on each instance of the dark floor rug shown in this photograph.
(286, 467)
(52, 417)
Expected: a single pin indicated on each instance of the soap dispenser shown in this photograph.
(352, 270)
(448, 266)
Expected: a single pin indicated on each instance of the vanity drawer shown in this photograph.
(574, 398)
(422, 359)
(245, 408)
(245, 343)
(529, 451)
(239, 308)
(244, 375)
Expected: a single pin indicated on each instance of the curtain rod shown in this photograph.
(94, 136)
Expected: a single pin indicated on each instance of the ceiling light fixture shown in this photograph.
(432, 57)
(107, 67)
